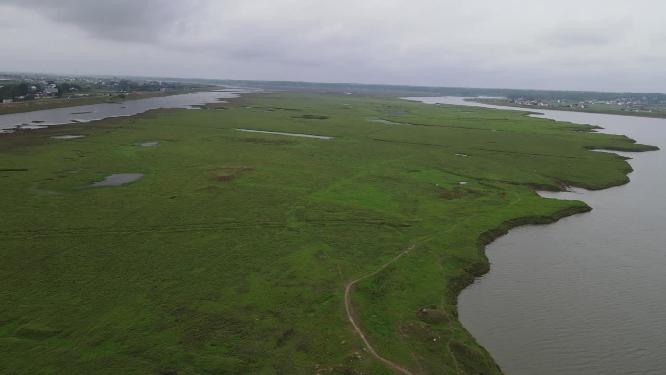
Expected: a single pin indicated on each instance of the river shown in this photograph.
(92, 112)
(585, 295)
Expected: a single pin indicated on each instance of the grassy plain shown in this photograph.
(232, 253)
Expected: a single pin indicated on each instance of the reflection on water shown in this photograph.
(584, 295)
(87, 113)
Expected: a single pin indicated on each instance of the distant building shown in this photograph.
(6, 101)
(50, 90)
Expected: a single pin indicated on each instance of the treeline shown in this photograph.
(127, 85)
(64, 88)
(11, 91)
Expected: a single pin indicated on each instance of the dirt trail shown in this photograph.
(357, 327)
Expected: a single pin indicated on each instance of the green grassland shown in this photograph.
(231, 255)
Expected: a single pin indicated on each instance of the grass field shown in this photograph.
(231, 254)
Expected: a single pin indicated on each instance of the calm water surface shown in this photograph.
(586, 295)
(86, 113)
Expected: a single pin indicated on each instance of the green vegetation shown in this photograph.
(232, 253)
(11, 89)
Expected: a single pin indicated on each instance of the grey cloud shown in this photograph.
(575, 38)
(126, 20)
(590, 34)
(569, 44)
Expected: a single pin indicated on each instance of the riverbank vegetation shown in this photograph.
(232, 252)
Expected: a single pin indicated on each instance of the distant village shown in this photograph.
(34, 92)
(31, 87)
(625, 104)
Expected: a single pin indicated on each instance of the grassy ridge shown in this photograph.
(231, 254)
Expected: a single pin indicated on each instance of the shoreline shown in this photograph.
(55, 103)
(485, 239)
(478, 270)
(490, 236)
(35, 126)
(72, 126)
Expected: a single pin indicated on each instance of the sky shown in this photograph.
(609, 45)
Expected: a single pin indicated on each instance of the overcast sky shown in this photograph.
(610, 45)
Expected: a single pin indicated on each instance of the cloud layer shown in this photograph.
(601, 45)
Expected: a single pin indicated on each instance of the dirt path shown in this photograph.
(357, 327)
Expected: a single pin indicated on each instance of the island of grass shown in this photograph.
(233, 251)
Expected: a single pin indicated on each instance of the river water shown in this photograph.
(92, 112)
(586, 295)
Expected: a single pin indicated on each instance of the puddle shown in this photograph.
(150, 144)
(287, 134)
(385, 122)
(463, 155)
(118, 179)
(68, 136)
(31, 127)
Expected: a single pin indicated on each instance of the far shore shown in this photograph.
(506, 103)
